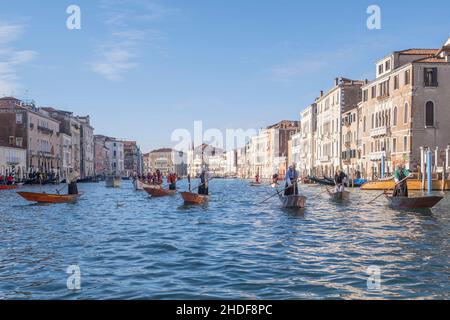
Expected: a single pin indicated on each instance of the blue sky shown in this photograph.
(142, 68)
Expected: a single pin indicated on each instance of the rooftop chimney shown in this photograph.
(321, 93)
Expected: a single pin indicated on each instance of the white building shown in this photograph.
(66, 155)
(13, 160)
(116, 156)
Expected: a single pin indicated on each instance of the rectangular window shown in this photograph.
(19, 118)
(19, 142)
(365, 95)
(407, 77)
(380, 69)
(11, 140)
(396, 82)
(430, 77)
(388, 65)
(374, 92)
(405, 143)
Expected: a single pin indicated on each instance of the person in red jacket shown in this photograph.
(172, 180)
(10, 180)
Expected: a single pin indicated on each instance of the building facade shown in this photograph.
(406, 108)
(87, 169)
(344, 96)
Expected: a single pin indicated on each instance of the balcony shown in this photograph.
(377, 156)
(379, 132)
(45, 130)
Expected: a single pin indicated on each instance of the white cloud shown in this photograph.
(11, 60)
(119, 53)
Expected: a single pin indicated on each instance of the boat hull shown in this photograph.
(414, 203)
(48, 198)
(340, 196)
(6, 187)
(194, 198)
(140, 186)
(158, 192)
(293, 202)
(112, 182)
(414, 185)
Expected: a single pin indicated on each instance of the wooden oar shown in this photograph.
(385, 191)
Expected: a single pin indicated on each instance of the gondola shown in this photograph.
(339, 196)
(139, 185)
(413, 203)
(292, 202)
(255, 184)
(194, 198)
(159, 192)
(49, 198)
(325, 182)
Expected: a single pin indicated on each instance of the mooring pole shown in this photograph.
(444, 174)
(422, 167)
(383, 165)
(430, 171)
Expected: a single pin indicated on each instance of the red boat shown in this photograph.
(49, 198)
(8, 187)
(155, 192)
(194, 198)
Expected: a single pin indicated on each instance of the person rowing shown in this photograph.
(400, 176)
(203, 189)
(291, 181)
(340, 179)
(72, 178)
(172, 181)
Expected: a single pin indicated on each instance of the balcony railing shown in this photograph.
(377, 156)
(45, 130)
(378, 132)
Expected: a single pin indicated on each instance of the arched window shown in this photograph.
(364, 123)
(429, 114)
(394, 117)
(373, 120)
(406, 114)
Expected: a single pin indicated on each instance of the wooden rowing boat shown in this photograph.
(194, 198)
(413, 203)
(255, 184)
(293, 202)
(8, 187)
(112, 181)
(339, 196)
(413, 184)
(49, 198)
(139, 185)
(159, 192)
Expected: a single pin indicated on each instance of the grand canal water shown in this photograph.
(129, 246)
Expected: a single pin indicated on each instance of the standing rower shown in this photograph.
(291, 181)
(401, 188)
(203, 188)
(72, 182)
(340, 180)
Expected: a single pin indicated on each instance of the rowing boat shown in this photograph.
(112, 181)
(49, 198)
(413, 203)
(158, 192)
(293, 202)
(8, 187)
(194, 198)
(255, 184)
(139, 185)
(339, 196)
(413, 184)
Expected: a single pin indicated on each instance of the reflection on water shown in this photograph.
(233, 247)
